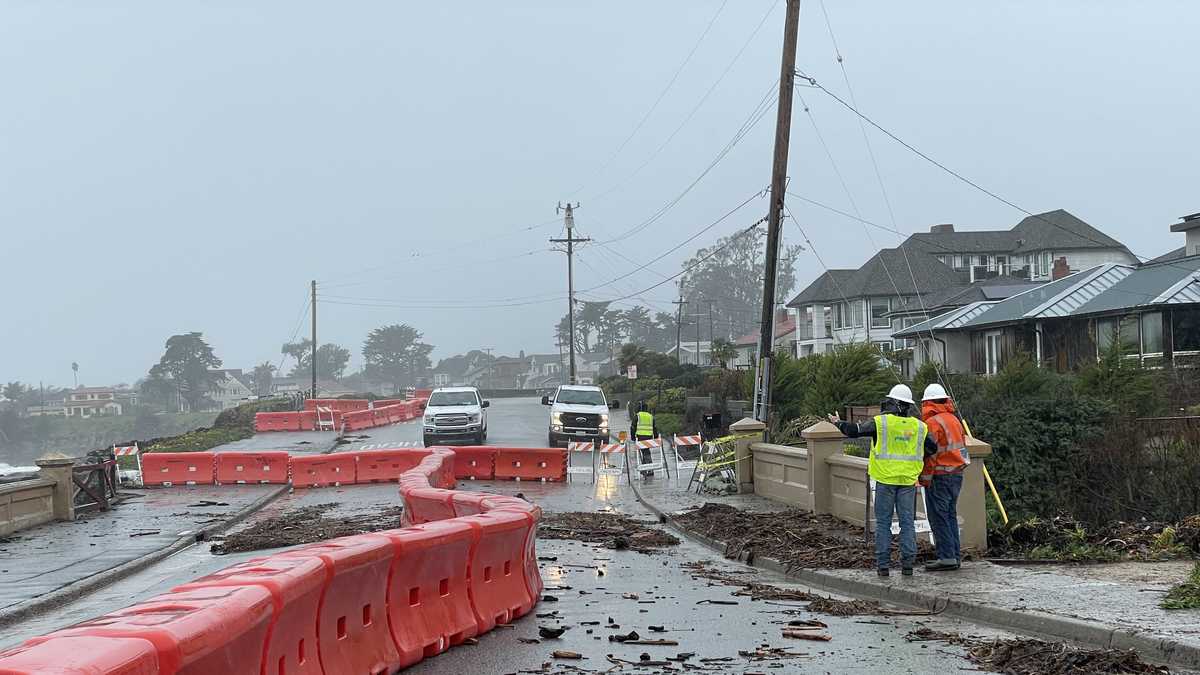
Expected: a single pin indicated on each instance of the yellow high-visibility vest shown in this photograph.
(898, 451)
(645, 424)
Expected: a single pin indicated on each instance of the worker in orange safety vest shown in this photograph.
(942, 475)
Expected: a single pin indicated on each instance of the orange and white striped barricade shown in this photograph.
(606, 467)
(651, 444)
(677, 442)
(134, 451)
(588, 470)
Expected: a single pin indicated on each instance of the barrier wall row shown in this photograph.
(335, 417)
(365, 604)
(165, 469)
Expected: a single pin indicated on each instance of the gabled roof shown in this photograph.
(995, 288)
(1055, 299)
(1178, 253)
(967, 241)
(892, 271)
(782, 328)
(823, 289)
(1058, 229)
(1170, 283)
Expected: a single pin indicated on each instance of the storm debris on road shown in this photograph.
(306, 525)
(795, 538)
(760, 591)
(612, 530)
(1028, 656)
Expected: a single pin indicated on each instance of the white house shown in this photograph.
(86, 402)
(694, 352)
(230, 387)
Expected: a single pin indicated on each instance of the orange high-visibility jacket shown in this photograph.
(947, 430)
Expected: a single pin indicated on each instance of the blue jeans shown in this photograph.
(901, 500)
(941, 503)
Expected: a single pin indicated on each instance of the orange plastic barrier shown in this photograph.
(360, 419)
(386, 466)
(277, 421)
(426, 504)
(498, 588)
(387, 402)
(352, 624)
(81, 656)
(468, 503)
(380, 416)
(438, 467)
(338, 404)
(195, 632)
(295, 585)
(474, 462)
(531, 463)
(251, 467)
(323, 470)
(177, 468)
(429, 601)
(422, 393)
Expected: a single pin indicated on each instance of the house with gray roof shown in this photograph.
(943, 269)
(1149, 313)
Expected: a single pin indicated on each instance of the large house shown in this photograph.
(84, 402)
(230, 387)
(747, 345)
(1149, 312)
(899, 287)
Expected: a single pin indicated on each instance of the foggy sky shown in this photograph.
(170, 167)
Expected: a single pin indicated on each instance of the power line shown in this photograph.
(661, 95)
(681, 244)
(760, 111)
(695, 108)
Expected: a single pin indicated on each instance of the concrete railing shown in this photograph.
(50, 496)
(821, 478)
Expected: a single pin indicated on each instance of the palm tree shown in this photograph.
(722, 352)
(75, 373)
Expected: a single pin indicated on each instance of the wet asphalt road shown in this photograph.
(666, 594)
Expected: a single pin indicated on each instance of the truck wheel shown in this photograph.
(479, 438)
(425, 442)
(551, 442)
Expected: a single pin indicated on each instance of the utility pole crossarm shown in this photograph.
(570, 241)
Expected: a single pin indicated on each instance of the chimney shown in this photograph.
(1190, 226)
(944, 228)
(1060, 269)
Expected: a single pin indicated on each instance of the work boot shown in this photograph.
(941, 566)
(883, 572)
(906, 571)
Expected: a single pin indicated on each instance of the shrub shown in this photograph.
(1186, 595)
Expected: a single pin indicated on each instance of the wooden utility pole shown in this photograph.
(783, 128)
(679, 326)
(314, 339)
(570, 241)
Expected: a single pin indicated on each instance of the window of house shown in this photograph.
(1002, 264)
(839, 315)
(992, 345)
(884, 346)
(1106, 335)
(1152, 336)
(957, 262)
(1185, 330)
(880, 307)
(1129, 335)
(828, 320)
(856, 313)
(945, 260)
(981, 261)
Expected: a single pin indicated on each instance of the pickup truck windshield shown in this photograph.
(453, 398)
(580, 397)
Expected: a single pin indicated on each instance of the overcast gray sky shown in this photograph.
(169, 167)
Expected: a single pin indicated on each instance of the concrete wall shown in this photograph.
(25, 504)
(822, 479)
(781, 473)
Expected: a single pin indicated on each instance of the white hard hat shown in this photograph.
(934, 392)
(901, 393)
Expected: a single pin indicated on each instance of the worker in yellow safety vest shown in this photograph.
(643, 428)
(899, 443)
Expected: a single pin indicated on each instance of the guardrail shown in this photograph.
(370, 603)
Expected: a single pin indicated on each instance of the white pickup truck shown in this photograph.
(455, 413)
(577, 413)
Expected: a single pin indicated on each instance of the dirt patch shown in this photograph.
(612, 530)
(796, 538)
(306, 525)
(1024, 656)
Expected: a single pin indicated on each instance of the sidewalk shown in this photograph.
(52, 563)
(1112, 605)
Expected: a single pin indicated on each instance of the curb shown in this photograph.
(1090, 633)
(82, 587)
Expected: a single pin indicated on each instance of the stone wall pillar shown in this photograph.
(744, 467)
(972, 501)
(60, 469)
(824, 441)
